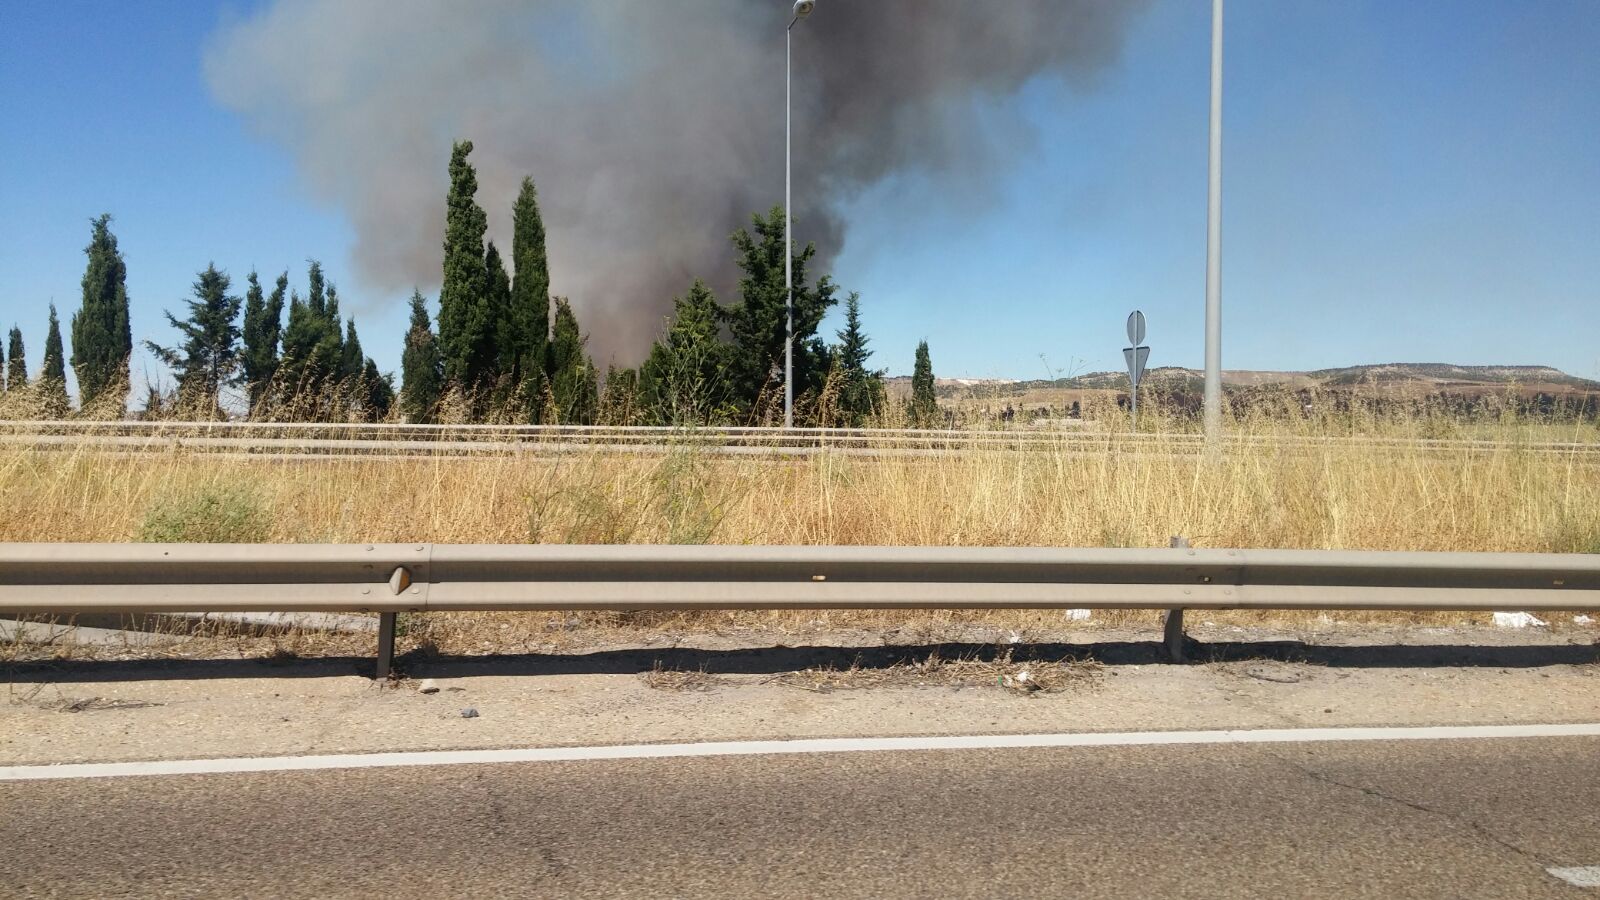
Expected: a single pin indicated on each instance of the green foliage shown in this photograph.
(377, 393)
(466, 319)
(619, 403)
(924, 404)
(693, 501)
(527, 328)
(102, 337)
(685, 380)
(861, 392)
(350, 355)
(422, 372)
(53, 379)
(263, 327)
(505, 360)
(214, 514)
(209, 354)
(572, 375)
(759, 323)
(313, 351)
(16, 361)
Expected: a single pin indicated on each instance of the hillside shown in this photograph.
(1386, 378)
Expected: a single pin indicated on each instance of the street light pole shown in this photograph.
(1213, 392)
(802, 8)
(788, 247)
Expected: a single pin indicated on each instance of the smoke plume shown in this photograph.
(652, 129)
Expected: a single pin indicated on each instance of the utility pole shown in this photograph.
(1213, 393)
(802, 8)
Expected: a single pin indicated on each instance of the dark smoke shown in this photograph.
(653, 129)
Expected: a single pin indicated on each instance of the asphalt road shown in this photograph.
(1473, 818)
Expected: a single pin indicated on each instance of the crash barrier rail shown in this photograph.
(69, 579)
(336, 439)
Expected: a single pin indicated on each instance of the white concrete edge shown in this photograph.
(778, 747)
(1577, 876)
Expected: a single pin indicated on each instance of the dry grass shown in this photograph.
(1410, 496)
(1024, 677)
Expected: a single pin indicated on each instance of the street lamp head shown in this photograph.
(803, 8)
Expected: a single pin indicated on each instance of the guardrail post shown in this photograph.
(1172, 630)
(385, 646)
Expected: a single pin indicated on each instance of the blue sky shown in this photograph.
(1412, 181)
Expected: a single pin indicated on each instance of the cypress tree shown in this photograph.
(500, 314)
(421, 370)
(572, 376)
(924, 403)
(317, 299)
(586, 408)
(3, 388)
(209, 355)
(53, 380)
(16, 362)
(466, 324)
(102, 338)
(378, 392)
(862, 392)
(619, 403)
(263, 326)
(685, 379)
(529, 320)
(758, 323)
(352, 360)
(330, 311)
(312, 346)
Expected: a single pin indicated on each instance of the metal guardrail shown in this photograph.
(269, 439)
(66, 579)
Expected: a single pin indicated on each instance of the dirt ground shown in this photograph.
(600, 689)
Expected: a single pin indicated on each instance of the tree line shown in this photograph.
(501, 349)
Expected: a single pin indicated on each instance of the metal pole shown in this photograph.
(788, 246)
(1213, 393)
(1172, 636)
(385, 646)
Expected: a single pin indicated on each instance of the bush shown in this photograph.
(214, 514)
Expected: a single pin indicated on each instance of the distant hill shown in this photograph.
(1400, 378)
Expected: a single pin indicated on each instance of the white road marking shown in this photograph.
(1578, 876)
(764, 748)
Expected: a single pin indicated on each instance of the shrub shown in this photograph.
(213, 514)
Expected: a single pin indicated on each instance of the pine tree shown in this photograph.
(861, 394)
(572, 376)
(420, 367)
(685, 379)
(529, 320)
(466, 323)
(263, 326)
(16, 361)
(102, 338)
(924, 403)
(758, 324)
(209, 355)
(53, 379)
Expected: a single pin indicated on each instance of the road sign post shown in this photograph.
(1135, 356)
